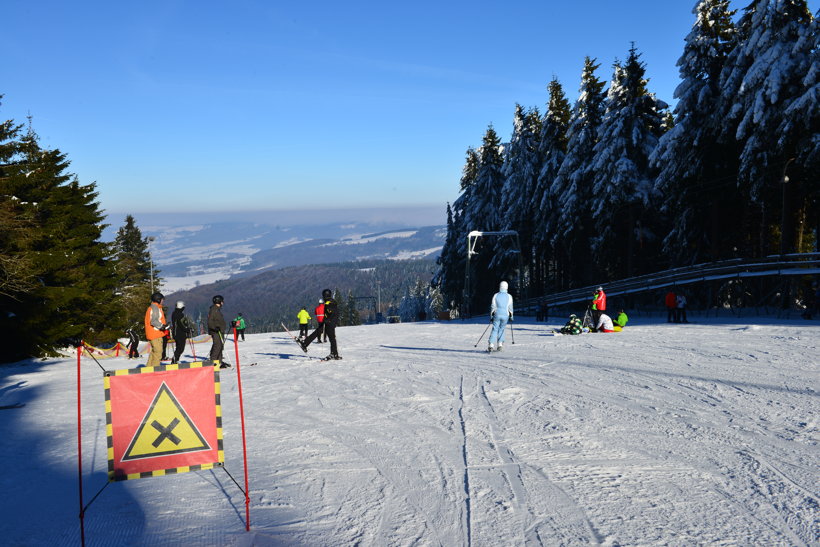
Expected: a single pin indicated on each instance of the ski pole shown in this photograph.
(512, 332)
(482, 335)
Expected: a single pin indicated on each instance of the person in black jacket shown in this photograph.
(180, 330)
(217, 328)
(133, 343)
(328, 326)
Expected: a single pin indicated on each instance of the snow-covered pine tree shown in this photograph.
(623, 199)
(765, 72)
(694, 179)
(450, 275)
(573, 184)
(520, 170)
(552, 151)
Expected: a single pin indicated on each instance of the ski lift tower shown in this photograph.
(511, 237)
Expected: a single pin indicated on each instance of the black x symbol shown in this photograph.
(165, 432)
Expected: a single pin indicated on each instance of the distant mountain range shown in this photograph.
(189, 254)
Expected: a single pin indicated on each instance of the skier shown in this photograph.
(320, 318)
(180, 330)
(303, 316)
(501, 312)
(598, 304)
(671, 304)
(573, 326)
(328, 326)
(239, 325)
(216, 328)
(604, 324)
(156, 328)
(133, 343)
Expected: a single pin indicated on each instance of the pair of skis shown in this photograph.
(295, 339)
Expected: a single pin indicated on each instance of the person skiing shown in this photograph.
(327, 327)
(216, 328)
(303, 316)
(501, 312)
(180, 330)
(604, 324)
(671, 304)
(598, 305)
(320, 318)
(573, 326)
(239, 325)
(133, 343)
(156, 328)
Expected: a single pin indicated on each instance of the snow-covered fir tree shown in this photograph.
(765, 74)
(573, 183)
(552, 151)
(694, 178)
(520, 170)
(623, 182)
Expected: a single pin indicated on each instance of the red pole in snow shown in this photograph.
(80, 445)
(193, 350)
(244, 443)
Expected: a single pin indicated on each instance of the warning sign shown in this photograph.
(163, 420)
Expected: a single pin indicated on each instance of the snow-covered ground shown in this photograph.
(699, 434)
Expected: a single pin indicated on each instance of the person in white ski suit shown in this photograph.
(501, 312)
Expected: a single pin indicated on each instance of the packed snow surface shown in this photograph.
(698, 434)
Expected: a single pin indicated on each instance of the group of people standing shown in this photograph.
(304, 321)
(675, 307)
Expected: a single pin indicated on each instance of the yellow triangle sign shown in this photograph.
(165, 430)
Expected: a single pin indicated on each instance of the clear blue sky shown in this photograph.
(248, 105)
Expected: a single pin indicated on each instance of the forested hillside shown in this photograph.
(276, 296)
(620, 185)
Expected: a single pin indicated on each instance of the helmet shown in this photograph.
(572, 316)
(503, 286)
(180, 304)
(326, 294)
(218, 299)
(599, 289)
(157, 297)
(321, 301)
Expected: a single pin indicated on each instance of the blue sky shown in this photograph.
(253, 105)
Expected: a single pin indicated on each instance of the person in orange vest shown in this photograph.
(671, 305)
(598, 305)
(156, 328)
(320, 318)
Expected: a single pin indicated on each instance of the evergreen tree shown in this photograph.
(351, 317)
(450, 276)
(75, 291)
(765, 72)
(694, 170)
(134, 270)
(623, 182)
(520, 171)
(552, 151)
(572, 188)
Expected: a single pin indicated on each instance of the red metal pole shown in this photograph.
(80, 444)
(193, 350)
(244, 442)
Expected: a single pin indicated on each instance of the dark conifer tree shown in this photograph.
(573, 184)
(623, 203)
(695, 171)
(134, 270)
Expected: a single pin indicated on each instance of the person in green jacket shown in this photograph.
(622, 319)
(303, 316)
(239, 325)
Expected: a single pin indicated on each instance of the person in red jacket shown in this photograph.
(319, 312)
(598, 305)
(671, 304)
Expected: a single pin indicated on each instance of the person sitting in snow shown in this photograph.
(604, 324)
(573, 326)
(621, 320)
